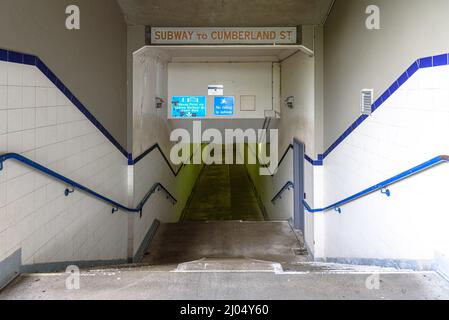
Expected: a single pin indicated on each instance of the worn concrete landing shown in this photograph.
(184, 242)
(147, 284)
(223, 192)
(229, 265)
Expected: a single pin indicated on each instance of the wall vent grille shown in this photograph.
(366, 100)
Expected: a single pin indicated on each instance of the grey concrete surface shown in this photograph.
(147, 284)
(207, 13)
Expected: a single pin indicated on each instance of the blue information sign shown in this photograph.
(188, 107)
(224, 106)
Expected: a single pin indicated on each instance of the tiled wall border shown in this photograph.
(422, 63)
(27, 59)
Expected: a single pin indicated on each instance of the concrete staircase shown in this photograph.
(178, 243)
(212, 256)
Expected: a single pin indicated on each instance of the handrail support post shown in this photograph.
(385, 191)
(69, 191)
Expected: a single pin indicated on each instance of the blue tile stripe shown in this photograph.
(27, 59)
(427, 62)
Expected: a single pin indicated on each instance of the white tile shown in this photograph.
(14, 120)
(62, 132)
(28, 76)
(41, 80)
(41, 117)
(19, 187)
(3, 97)
(29, 97)
(52, 115)
(52, 132)
(15, 142)
(3, 73)
(12, 239)
(61, 99)
(51, 97)
(28, 140)
(3, 121)
(14, 97)
(41, 97)
(3, 226)
(2, 194)
(61, 114)
(3, 146)
(29, 119)
(14, 74)
(41, 138)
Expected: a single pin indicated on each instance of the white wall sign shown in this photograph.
(273, 35)
(215, 89)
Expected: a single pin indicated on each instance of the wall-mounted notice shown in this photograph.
(224, 106)
(215, 89)
(188, 107)
(264, 35)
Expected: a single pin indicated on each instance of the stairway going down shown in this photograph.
(223, 192)
(224, 249)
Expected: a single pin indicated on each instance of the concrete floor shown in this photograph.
(223, 192)
(145, 283)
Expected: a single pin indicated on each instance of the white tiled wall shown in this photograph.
(147, 172)
(39, 122)
(412, 126)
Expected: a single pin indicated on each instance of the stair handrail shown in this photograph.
(75, 185)
(288, 186)
(382, 186)
(156, 146)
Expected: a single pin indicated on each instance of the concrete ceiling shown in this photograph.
(224, 13)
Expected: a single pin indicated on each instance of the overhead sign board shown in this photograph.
(224, 106)
(188, 107)
(265, 35)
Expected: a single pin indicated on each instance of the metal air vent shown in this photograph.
(366, 100)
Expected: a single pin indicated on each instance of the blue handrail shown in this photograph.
(78, 186)
(382, 185)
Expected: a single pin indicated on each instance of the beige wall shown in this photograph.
(91, 61)
(299, 122)
(135, 41)
(357, 58)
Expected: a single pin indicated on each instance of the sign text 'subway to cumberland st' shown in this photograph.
(265, 35)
